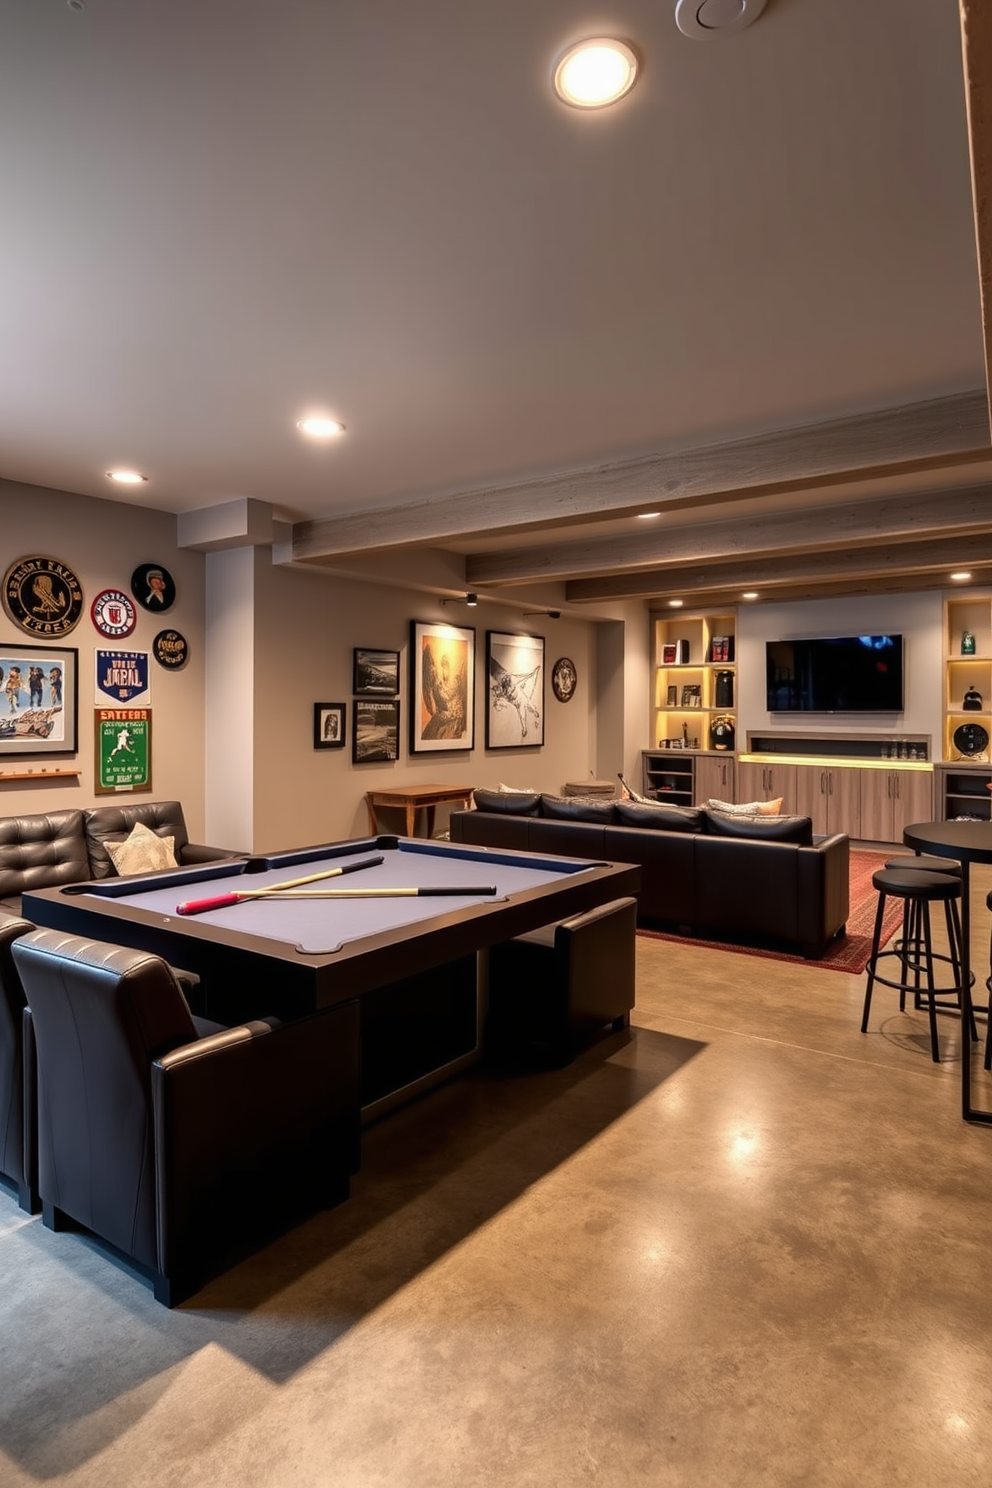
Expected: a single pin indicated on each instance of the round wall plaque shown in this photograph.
(42, 596)
(564, 679)
(153, 587)
(113, 613)
(971, 738)
(170, 649)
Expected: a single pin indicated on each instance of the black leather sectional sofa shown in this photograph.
(753, 878)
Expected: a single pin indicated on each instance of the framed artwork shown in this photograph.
(442, 686)
(328, 725)
(692, 695)
(564, 679)
(38, 698)
(515, 690)
(376, 673)
(673, 695)
(123, 750)
(377, 731)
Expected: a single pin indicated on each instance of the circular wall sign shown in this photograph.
(42, 596)
(971, 738)
(153, 587)
(113, 613)
(170, 649)
(564, 679)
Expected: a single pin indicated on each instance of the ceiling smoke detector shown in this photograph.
(705, 19)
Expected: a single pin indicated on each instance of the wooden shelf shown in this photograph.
(38, 775)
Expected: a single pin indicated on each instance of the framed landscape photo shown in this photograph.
(328, 725)
(376, 673)
(377, 731)
(442, 686)
(38, 699)
(514, 690)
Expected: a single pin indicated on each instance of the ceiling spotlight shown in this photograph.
(646, 516)
(676, 604)
(595, 73)
(320, 427)
(750, 594)
(471, 600)
(960, 578)
(126, 477)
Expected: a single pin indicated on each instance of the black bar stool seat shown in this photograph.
(924, 863)
(914, 956)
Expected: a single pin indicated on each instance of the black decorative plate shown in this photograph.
(43, 596)
(971, 738)
(564, 679)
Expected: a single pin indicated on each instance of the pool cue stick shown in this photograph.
(376, 893)
(223, 901)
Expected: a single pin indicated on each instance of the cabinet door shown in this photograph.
(714, 778)
(761, 782)
(811, 795)
(878, 789)
(913, 799)
(844, 802)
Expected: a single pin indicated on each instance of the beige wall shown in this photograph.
(103, 542)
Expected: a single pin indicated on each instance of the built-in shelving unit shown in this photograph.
(964, 790)
(668, 775)
(964, 671)
(691, 651)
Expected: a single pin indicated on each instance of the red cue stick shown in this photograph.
(223, 901)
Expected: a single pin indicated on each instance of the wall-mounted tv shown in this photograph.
(836, 674)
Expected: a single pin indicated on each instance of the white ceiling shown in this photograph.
(220, 214)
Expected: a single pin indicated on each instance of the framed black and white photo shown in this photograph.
(377, 731)
(38, 695)
(692, 695)
(442, 686)
(377, 673)
(514, 690)
(328, 725)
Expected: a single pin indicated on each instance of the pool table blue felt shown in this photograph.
(324, 926)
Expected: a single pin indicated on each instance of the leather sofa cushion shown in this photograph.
(508, 803)
(578, 808)
(795, 829)
(661, 815)
(40, 851)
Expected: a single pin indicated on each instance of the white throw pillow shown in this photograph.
(515, 790)
(143, 852)
(747, 808)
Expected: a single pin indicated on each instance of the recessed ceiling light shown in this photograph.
(960, 578)
(319, 427)
(595, 73)
(676, 604)
(750, 594)
(126, 477)
(646, 516)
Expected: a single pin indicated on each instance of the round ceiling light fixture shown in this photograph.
(750, 594)
(705, 19)
(126, 477)
(647, 516)
(593, 74)
(676, 604)
(320, 427)
(960, 578)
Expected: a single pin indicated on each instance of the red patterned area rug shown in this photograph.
(850, 952)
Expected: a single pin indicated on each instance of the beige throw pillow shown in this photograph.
(748, 808)
(143, 852)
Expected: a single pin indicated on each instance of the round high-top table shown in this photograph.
(967, 842)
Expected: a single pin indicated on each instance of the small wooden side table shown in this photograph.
(412, 797)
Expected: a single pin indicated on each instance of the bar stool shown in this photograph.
(910, 942)
(918, 890)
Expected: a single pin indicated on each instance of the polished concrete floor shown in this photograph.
(743, 1245)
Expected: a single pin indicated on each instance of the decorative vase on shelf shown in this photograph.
(967, 643)
(972, 701)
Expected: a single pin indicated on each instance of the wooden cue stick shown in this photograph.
(378, 893)
(222, 901)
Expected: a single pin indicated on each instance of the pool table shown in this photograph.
(416, 965)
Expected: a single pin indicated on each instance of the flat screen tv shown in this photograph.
(836, 674)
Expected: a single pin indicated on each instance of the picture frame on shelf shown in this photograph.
(375, 673)
(514, 690)
(376, 737)
(722, 648)
(673, 695)
(692, 695)
(39, 693)
(674, 653)
(442, 687)
(329, 725)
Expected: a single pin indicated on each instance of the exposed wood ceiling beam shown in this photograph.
(891, 560)
(716, 600)
(887, 440)
(896, 517)
(976, 39)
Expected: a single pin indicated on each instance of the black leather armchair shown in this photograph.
(18, 1106)
(40, 851)
(174, 1144)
